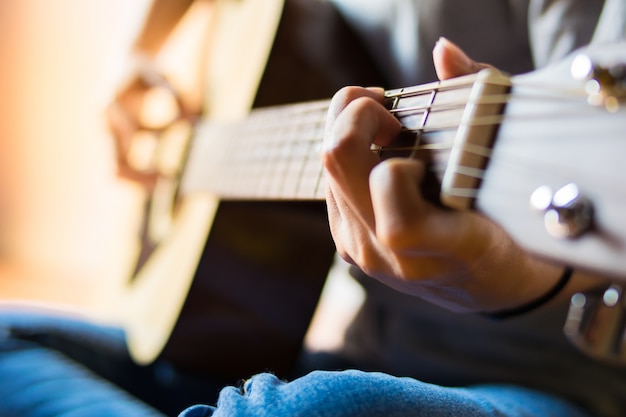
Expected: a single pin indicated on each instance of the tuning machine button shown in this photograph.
(605, 86)
(567, 213)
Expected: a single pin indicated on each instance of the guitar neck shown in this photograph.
(274, 152)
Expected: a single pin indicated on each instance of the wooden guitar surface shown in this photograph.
(232, 288)
(242, 35)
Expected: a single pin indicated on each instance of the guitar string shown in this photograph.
(511, 158)
(477, 121)
(484, 121)
(322, 106)
(500, 98)
(418, 110)
(442, 147)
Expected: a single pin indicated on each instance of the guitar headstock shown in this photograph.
(555, 178)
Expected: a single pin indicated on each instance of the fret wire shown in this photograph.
(427, 113)
(302, 176)
(265, 174)
(320, 192)
(427, 88)
(396, 99)
(299, 162)
(491, 99)
(282, 167)
(296, 134)
(318, 161)
(309, 182)
(429, 110)
(311, 168)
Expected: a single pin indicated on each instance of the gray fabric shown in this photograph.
(514, 35)
(559, 26)
(612, 24)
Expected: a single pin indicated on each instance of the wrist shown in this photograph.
(536, 303)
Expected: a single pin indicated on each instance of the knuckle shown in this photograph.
(346, 95)
(343, 98)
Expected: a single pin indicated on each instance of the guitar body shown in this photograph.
(254, 291)
(232, 288)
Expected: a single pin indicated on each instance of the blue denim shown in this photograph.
(60, 366)
(40, 382)
(361, 394)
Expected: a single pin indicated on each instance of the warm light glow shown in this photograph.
(63, 208)
(68, 224)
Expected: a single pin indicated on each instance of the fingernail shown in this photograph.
(440, 45)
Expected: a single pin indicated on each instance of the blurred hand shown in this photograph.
(381, 222)
(145, 105)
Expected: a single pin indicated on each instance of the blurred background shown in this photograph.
(62, 209)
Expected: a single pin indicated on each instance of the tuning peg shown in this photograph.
(566, 212)
(605, 86)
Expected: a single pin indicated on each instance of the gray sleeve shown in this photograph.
(402, 33)
(514, 35)
(612, 23)
(557, 27)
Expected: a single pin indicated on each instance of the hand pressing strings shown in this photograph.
(381, 222)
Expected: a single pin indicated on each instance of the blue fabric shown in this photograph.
(39, 382)
(32, 322)
(53, 365)
(360, 394)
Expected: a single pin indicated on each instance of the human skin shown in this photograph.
(381, 222)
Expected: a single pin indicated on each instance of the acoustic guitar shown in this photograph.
(540, 154)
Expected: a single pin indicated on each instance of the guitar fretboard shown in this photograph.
(274, 153)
